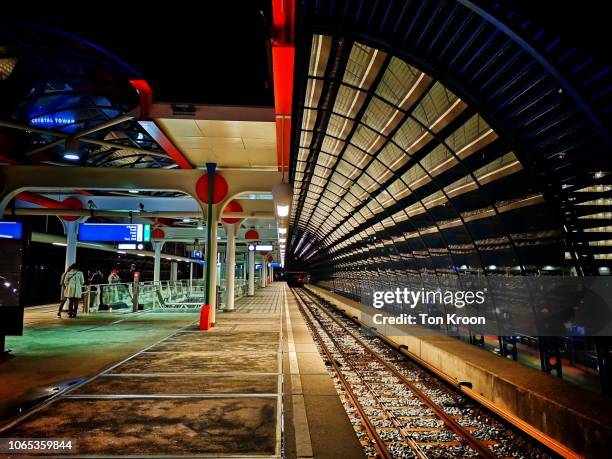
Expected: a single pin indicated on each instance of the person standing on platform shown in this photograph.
(62, 296)
(73, 288)
(95, 277)
(113, 277)
(110, 291)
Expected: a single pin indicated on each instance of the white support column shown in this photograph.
(212, 288)
(190, 276)
(230, 264)
(244, 268)
(264, 273)
(71, 229)
(173, 271)
(157, 246)
(251, 272)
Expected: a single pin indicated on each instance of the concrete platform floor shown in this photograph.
(153, 385)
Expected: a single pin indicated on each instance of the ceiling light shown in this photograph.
(134, 191)
(186, 220)
(282, 211)
(72, 149)
(61, 244)
(282, 230)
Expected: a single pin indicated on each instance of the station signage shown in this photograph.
(114, 232)
(11, 230)
(130, 246)
(197, 254)
(274, 265)
(264, 248)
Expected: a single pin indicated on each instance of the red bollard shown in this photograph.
(205, 317)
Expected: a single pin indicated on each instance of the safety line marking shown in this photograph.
(303, 444)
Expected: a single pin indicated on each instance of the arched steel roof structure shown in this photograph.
(445, 137)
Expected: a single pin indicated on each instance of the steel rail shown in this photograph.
(379, 444)
(451, 423)
(410, 441)
(545, 440)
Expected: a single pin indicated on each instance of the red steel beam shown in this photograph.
(146, 97)
(146, 102)
(40, 200)
(163, 141)
(283, 57)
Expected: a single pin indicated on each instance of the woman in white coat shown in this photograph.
(73, 288)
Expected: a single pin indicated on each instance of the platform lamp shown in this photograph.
(282, 194)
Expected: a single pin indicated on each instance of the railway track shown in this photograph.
(398, 409)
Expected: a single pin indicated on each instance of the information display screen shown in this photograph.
(264, 247)
(114, 232)
(13, 245)
(11, 230)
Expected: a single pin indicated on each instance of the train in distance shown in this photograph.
(297, 278)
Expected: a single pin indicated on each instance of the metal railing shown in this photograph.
(123, 297)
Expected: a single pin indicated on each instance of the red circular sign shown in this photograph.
(251, 235)
(71, 203)
(232, 206)
(220, 188)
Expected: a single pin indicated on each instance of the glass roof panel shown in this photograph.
(397, 81)
(434, 104)
(362, 66)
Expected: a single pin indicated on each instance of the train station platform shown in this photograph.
(153, 385)
(576, 419)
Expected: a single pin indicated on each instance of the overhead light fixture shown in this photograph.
(186, 220)
(282, 198)
(282, 211)
(61, 244)
(121, 251)
(140, 254)
(282, 240)
(282, 231)
(72, 149)
(134, 191)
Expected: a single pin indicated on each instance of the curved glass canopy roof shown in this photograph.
(396, 174)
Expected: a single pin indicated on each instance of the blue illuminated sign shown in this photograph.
(197, 254)
(274, 265)
(11, 230)
(114, 232)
